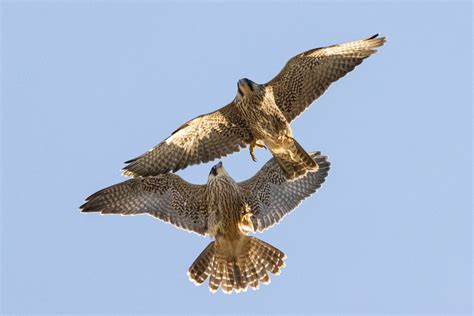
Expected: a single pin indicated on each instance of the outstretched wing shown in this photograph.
(167, 197)
(202, 139)
(271, 196)
(306, 76)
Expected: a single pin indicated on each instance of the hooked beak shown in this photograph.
(244, 81)
(216, 169)
(245, 86)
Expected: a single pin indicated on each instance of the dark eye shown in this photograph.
(214, 171)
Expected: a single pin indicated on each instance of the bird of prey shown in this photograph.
(222, 209)
(260, 115)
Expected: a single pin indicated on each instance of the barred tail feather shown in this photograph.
(247, 268)
(202, 266)
(294, 160)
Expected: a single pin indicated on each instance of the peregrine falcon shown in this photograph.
(260, 115)
(222, 209)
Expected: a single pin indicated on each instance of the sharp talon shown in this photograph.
(253, 155)
(252, 147)
(260, 145)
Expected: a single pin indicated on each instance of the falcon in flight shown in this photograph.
(260, 115)
(223, 209)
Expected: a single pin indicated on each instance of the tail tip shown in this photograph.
(192, 280)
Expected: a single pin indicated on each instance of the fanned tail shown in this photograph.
(236, 266)
(293, 159)
(201, 267)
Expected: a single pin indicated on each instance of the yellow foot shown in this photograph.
(252, 148)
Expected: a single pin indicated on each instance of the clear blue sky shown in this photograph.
(86, 86)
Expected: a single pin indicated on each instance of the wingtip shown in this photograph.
(129, 165)
(85, 205)
(376, 37)
(89, 206)
(373, 36)
(128, 173)
(375, 41)
(125, 172)
(84, 208)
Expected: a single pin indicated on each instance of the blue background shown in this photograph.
(86, 86)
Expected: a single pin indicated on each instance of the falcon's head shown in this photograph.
(217, 170)
(246, 87)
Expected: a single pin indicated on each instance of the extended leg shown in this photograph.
(252, 148)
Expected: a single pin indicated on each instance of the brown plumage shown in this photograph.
(260, 115)
(223, 209)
